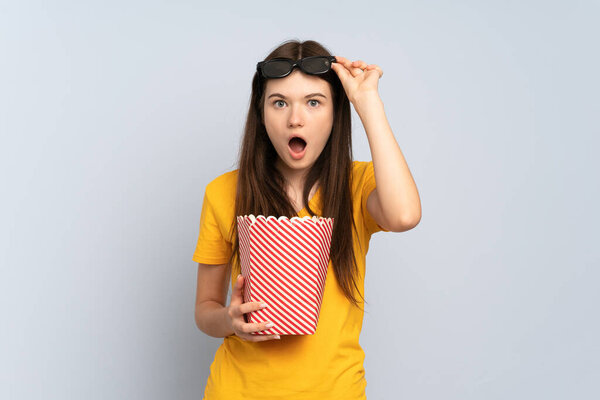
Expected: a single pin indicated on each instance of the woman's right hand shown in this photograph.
(236, 310)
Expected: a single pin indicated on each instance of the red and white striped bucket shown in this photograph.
(284, 263)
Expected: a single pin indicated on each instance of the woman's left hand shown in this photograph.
(358, 78)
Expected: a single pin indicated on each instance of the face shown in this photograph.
(298, 105)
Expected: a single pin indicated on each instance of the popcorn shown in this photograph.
(284, 263)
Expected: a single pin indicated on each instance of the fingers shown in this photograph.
(256, 326)
(254, 306)
(344, 62)
(357, 67)
(237, 309)
(245, 330)
(248, 328)
(239, 284)
(360, 64)
(341, 69)
(236, 294)
(351, 65)
(259, 338)
(376, 68)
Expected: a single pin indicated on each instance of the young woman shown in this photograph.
(296, 160)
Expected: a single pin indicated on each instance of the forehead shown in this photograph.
(297, 84)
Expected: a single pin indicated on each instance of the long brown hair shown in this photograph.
(260, 186)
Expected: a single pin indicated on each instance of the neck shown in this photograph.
(294, 177)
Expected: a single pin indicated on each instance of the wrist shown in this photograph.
(367, 100)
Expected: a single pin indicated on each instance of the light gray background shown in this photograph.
(115, 115)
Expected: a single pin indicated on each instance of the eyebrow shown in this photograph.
(307, 96)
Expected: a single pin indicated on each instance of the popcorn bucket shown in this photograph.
(284, 263)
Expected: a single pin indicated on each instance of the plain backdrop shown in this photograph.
(114, 115)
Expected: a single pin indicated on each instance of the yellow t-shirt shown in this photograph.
(325, 365)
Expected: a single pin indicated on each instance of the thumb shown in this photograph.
(342, 72)
(236, 296)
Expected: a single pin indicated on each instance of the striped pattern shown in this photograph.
(284, 263)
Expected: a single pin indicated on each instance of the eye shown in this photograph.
(318, 102)
(277, 101)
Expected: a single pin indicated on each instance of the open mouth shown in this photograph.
(297, 145)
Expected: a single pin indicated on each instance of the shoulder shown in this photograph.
(223, 186)
(361, 171)
(359, 167)
(225, 179)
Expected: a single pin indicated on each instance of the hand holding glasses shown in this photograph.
(354, 76)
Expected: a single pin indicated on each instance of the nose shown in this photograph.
(296, 117)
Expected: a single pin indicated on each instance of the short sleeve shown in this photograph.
(211, 247)
(369, 185)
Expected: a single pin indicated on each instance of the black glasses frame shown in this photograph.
(298, 63)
